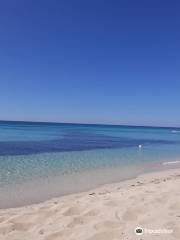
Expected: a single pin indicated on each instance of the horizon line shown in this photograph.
(80, 123)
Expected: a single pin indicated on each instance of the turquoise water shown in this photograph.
(55, 157)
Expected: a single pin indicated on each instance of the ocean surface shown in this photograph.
(39, 161)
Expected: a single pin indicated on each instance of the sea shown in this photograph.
(40, 161)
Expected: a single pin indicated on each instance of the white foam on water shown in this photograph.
(173, 162)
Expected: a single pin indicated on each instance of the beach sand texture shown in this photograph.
(110, 212)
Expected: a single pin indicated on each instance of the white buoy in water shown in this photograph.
(140, 146)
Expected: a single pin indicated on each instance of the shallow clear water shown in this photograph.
(64, 158)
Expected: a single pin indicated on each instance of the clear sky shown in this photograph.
(90, 61)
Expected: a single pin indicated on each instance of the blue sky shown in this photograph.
(90, 61)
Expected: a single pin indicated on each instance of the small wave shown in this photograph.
(168, 163)
(175, 131)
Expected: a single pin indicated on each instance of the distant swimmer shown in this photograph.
(140, 146)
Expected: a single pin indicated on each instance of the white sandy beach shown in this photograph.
(111, 212)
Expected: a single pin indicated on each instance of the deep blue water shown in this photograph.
(32, 138)
(30, 151)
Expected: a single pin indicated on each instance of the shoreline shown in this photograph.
(145, 176)
(111, 211)
(24, 194)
